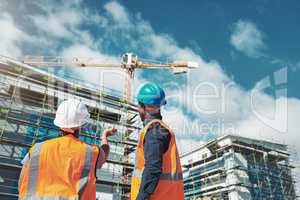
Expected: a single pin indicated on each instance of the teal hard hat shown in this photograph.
(151, 94)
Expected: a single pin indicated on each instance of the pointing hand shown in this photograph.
(109, 132)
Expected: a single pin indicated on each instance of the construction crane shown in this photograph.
(129, 63)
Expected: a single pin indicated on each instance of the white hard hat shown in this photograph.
(71, 113)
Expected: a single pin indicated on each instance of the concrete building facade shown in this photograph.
(236, 168)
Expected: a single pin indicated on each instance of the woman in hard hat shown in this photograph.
(157, 174)
(64, 168)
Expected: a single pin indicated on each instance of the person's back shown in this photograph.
(61, 167)
(64, 168)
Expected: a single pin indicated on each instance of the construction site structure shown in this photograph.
(236, 168)
(29, 98)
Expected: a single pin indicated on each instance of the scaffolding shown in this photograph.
(233, 167)
(28, 100)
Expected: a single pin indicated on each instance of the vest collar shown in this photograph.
(75, 134)
(151, 116)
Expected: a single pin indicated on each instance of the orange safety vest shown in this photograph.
(60, 169)
(170, 185)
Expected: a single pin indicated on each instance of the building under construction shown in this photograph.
(235, 168)
(29, 98)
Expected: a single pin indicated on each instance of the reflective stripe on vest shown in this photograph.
(86, 169)
(33, 169)
(33, 175)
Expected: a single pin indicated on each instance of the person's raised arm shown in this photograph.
(104, 149)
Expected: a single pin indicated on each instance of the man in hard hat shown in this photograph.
(64, 168)
(157, 174)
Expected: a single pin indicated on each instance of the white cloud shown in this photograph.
(64, 22)
(54, 24)
(84, 51)
(247, 38)
(110, 78)
(118, 12)
(296, 66)
(10, 36)
(189, 144)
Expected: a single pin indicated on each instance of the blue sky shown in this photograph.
(241, 47)
(206, 26)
